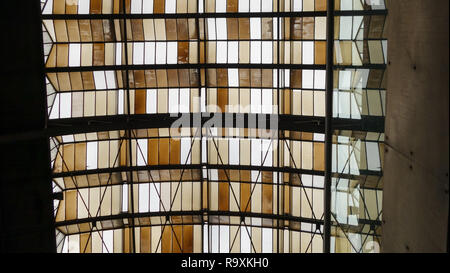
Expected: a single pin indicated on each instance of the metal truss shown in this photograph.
(128, 122)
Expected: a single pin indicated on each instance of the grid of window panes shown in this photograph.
(204, 190)
(359, 93)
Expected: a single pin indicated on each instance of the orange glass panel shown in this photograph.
(123, 153)
(233, 28)
(296, 28)
(245, 192)
(158, 6)
(287, 200)
(58, 7)
(182, 26)
(244, 28)
(68, 157)
(296, 78)
(71, 7)
(319, 152)
(308, 28)
(99, 54)
(145, 239)
(171, 29)
(183, 77)
(139, 101)
(139, 79)
(71, 204)
(177, 238)
(267, 75)
(137, 29)
(321, 5)
(73, 30)
(222, 77)
(88, 80)
(175, 151)
(80, 156)
(127, 240)
(267, 198)
(222, 99)
(172, 76)
(96, 6)
(150, 78)
(244, 77)
(85, 30)
(287, 101)
(76, 81)
(224, 195)
(232, 6)
(320, 52)
(255, 77)
(164, 151)
(62, 55)
(188, 239)
(307, 136)
(97, 30)
(85, 243)
(166, 240)
(161, 78)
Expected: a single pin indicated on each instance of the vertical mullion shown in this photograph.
(328, 120)
(128, 130)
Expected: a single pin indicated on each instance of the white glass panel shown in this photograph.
(173, 100)
(221, 28)
(136, 6)
(319, 79)
(172, 52)
(233, 52)
(141, 152)
(74, 54)
(255, 52)
(267, 240)
(255, 28)
(91, 159)
(267, 52)
(143, 197)
(171, 6)
(307, 79)
(224, 239)
(108, 239)
(160, 52)
(138, 53)
(244, 6)
(149, 52)
(148, 6)
(255, 5)
(221, 5)
(297, 5)
(83, 6)
(221, 52)
(233, 77)
(308, 52)
(65, 110)
(99, 79)
(245, 240)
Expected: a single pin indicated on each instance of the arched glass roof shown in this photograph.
(199, 126)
